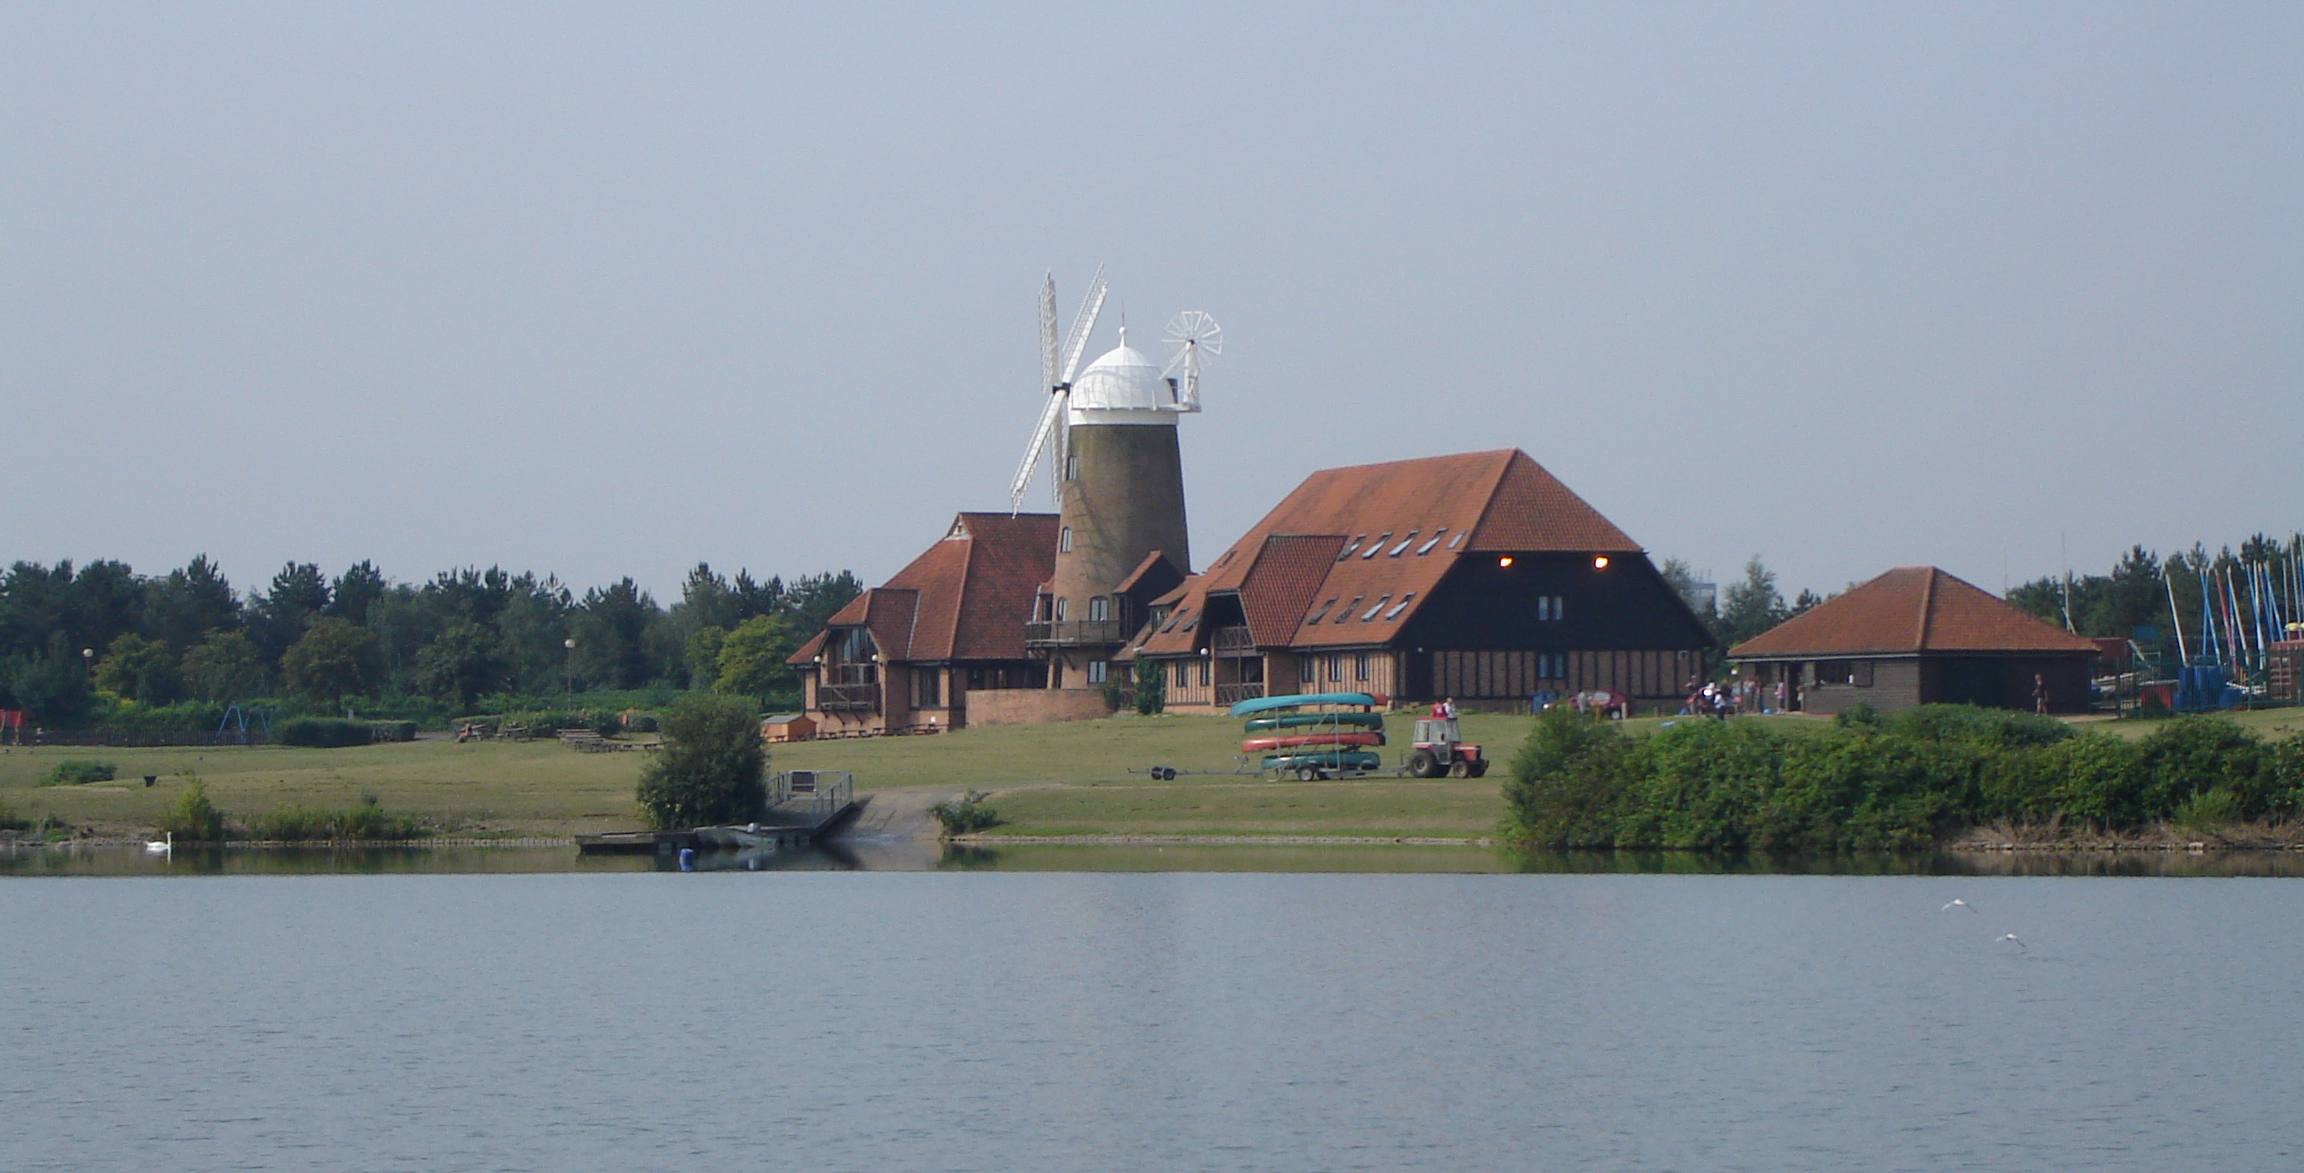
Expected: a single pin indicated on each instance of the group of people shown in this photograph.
(1710, 698)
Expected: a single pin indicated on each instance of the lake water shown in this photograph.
(999, 1017)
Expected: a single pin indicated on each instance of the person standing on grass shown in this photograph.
(2039, 694)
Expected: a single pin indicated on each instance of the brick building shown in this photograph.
(1917, 635)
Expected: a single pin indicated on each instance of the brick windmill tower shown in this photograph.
(1110, 435)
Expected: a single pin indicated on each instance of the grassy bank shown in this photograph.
(1082, 778)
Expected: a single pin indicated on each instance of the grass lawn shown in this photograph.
(1079, 778)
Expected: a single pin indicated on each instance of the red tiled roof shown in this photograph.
(1906, 611)
(1280, 584)
(965, 598)
(1418, 516)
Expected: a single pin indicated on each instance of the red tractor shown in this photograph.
(1438, 751)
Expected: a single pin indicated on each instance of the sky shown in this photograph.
(605, 290)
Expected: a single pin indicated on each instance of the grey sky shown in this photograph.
(611, 290)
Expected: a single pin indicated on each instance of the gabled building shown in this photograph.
(941, 643)
(1917, 635)
(1476, 576)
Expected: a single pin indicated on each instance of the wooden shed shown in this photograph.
(788, 727)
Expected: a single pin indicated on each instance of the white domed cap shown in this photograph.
(1125, 379)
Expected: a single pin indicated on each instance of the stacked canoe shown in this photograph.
(1314, 735)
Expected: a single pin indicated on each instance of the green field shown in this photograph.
(1081, 778)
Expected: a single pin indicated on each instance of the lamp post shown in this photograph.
(568, 666)
(88, 662)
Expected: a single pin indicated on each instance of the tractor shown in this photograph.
(1438, 750)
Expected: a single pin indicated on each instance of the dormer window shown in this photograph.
(1430, 542)
(1405, 542)
(1376, 547)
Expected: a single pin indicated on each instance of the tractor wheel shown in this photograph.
(1423, 764)
(1163, 773)
(1477, 767)
(1307, 773)
(1458, 769)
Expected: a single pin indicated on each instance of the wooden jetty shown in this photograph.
(803, 806)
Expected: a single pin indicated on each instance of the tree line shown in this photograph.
(78, 642)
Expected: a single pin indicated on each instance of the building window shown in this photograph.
(927, 688)
(1179, 673)
(1559, 608)
(1405, 542)
(1400, 606)
(1097, 671)
(1430, 542)
(1203, 673)
(1543, 608)
(1096, 608)
(1072, 466)
(1349, 608)
(1064, 540)
(1352, 545)
(1317, 615)
(1307, 669)
(1376, 547)
(1360, 666)
(1335, 666)
(1059, 610)
(1457, 541)
(1371, 612)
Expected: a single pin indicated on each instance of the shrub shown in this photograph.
(968, 814)
(323, 732)
(2288, 774)
(1567, 783)
(2098, 777)
(1977, 726)
(709, 769)
(365, 821)
(1702, 783)
(2192, 754)
(194, 819)
(11, 821)
(77, 771)
(2208, 811)
(1860, 715)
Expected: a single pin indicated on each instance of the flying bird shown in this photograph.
(1956, 902)
(2013, 937)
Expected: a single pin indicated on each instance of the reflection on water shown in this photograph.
(895, 855)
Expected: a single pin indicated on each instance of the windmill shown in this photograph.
(1057, 368)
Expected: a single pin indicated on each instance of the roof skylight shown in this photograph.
(1458, 540)
(1400, 606)
(1405, 542)
(1386, 598)
(1430, 542)
(1349, 608)
(1376, 546)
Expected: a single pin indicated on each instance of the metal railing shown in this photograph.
(1233, 641)
(806, 798)
(847, 696)
(1074, 632)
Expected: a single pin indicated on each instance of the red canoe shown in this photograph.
(1299, 740)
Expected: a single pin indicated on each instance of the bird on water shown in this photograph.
(1956, 902)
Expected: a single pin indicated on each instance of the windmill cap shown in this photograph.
(1124, 379)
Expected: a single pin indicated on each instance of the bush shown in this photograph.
(1977, 726)
(194, 819)
(76, 771)
(2098, 778)
(11, 821)
(709, 769)
(183, 717)
(365, 821)
(968, 814)
(323, 732)
(1567, 784)
(2208, 811)
(2192, 754)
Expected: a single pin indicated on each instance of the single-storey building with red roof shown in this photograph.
(1917, 635)
(1477, 576)
(941, 644)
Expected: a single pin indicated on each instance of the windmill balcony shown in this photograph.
(1074, 633)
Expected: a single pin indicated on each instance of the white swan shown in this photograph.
(161, 846)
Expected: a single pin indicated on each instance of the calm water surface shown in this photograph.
(1000, 1019)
